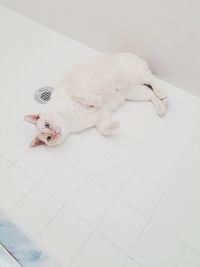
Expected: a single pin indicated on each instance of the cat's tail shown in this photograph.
(154, 84)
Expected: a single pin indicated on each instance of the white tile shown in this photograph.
(63, 181)
(82, 155)
(104, 168)
(156, 248)
(122, 226)
(35, 211)
(142, 194)
(131, 263)
(91, 202)
(191, 165)
(64, 236)
(161, 159)
(179, 209)
(159, 163)
(194, 238)
(99, 252)
(4, 164)
(13, 144)
(28, 76)
(109, 151)
(136, 134)
(38, 162)
(14, 107)
(191, 159)
(190, 259)
(27, 130)
(14, 185)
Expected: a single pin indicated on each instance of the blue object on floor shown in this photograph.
(24, 251)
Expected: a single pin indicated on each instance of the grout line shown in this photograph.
(131, 259)
(64, 205)
(90, 177)
(149, 220)
(50, 221)
(132, 208)
(95, 230)
(187, 246)
(80, 249)
(35, 184)
(112, 203)
(4, 157)
(139, 238)
(111, 242)
(71, 195)
(193, 250)
(5, 170)
(82, 219)
(23, 198)
(92, 233)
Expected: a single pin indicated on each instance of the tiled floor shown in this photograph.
(140, 206)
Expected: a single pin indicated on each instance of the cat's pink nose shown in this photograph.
(53, 133)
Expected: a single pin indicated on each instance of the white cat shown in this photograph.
(91, 91)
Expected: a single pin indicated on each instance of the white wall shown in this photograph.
(166, 33)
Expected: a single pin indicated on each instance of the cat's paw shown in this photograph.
(161, 109)
(160, 93)
(109, 127)
(165, 101)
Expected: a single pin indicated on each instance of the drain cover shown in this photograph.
(43, 95)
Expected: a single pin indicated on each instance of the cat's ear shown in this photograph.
(36, 142)
(32, 118)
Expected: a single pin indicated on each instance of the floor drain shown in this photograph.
(43, 95)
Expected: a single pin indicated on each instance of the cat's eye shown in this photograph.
(48, 138)
(47, 125)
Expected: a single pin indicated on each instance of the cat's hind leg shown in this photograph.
(105, 125)
(156, 86)
(144, 93)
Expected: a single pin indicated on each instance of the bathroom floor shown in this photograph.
(129, 200)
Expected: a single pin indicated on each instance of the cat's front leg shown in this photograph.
(87, 99)
(105, 125)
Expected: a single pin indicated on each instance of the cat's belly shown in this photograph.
(106, 73)
(109, 88)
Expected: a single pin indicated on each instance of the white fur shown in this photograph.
(93, 89)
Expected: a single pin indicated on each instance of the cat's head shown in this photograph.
(50, 126)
